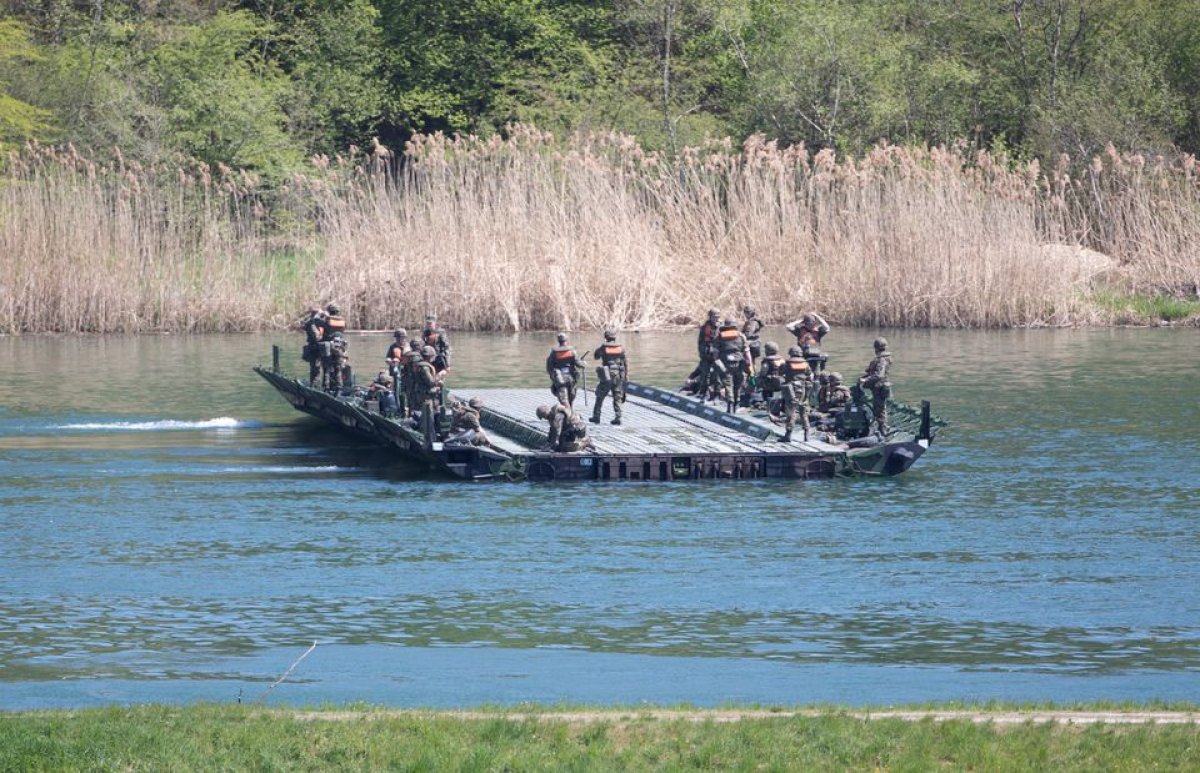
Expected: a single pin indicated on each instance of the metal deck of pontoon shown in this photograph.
(663, 436)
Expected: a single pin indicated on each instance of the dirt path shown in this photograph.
(1065, 717)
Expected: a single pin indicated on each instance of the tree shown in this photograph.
(19, 120)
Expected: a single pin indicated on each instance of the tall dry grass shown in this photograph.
(120, 247)
(529, 231)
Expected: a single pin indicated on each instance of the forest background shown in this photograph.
(183, 165)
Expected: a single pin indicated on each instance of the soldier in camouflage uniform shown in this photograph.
(751, 329)
(833, 395)
(333, 349)
(770, 372)
(568, 432)
(432, 335)
(810, 330)
(734, 358)
(466, 427)
(562, 366)
(876, 379)
(612, 367)
(397, 360)
(313, 326)
(426, 387)
(797, 383)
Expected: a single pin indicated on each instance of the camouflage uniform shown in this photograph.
(432, 335)
(706, 349)
(770, 373)
(733, 357)
(397, 360)
(562, 366)
(876, 379)
(382, 390)
(613, 371)
(333, 349)
(810, 330)
(313, 326)
(797, 382)
(833, 395)
(425, 387)
(568, 432)
(466, 428)
(752, 328)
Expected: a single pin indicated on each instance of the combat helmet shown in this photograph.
(543, 411)
(770, 348)
(610, 334)
(400, 333)
(749, 310)
(561, 338)
(714, 312)
(429, 352)
(475, 402)
(795, 351)
(835, 378)
(333, 309)
(880, 344)
(728, 322)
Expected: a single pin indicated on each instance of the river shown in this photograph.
(172, 531)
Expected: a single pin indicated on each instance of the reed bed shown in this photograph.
(530, 231)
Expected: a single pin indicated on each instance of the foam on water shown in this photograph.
(222, 422)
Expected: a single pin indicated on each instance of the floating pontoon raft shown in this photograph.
(663, 436)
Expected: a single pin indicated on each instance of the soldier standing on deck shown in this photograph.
(752, 328)
(770, 373)
(876, 379)
(562, 366)
(706, 348)
(734, 355)
(397, 358)
(313, 326)
(432, 335)
(797, 382)
(613, 369)
(333, 349)
(426, 384)
(809, 330)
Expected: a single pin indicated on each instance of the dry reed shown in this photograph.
(530, 232)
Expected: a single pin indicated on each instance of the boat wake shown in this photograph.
(223, 422)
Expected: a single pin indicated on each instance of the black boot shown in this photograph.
(786, 437)
(616, 421)
(594, 420)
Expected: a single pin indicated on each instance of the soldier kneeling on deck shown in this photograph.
(568, 432)
(466, 427)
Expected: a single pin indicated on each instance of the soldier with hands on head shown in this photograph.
(612, 368)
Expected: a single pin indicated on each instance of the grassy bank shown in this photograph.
(244, 738)
(532, 232)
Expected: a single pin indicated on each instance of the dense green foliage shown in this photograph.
(241, 738)
(264, 84)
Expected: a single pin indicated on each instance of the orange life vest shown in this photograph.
(728, 333)
(613, 350)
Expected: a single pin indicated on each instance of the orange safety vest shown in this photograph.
(728, 333)
(613, 350)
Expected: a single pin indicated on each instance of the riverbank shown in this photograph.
(534, 232)
(207, 737)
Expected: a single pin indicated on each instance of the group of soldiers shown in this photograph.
(736, 367)
(729, 371)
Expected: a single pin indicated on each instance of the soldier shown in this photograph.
(466, 427)
(313, 326)
(568, 432)
(797, 382)
(834, 395)
(733, 360)
(751, 328)
(613, 369)
(397, 360)
(333, 363)
(562, 366)
(426, 386)
(706, 348)
(876, 379)
(432, 335)
(382, 389)
(770, 374)
(809, 330)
